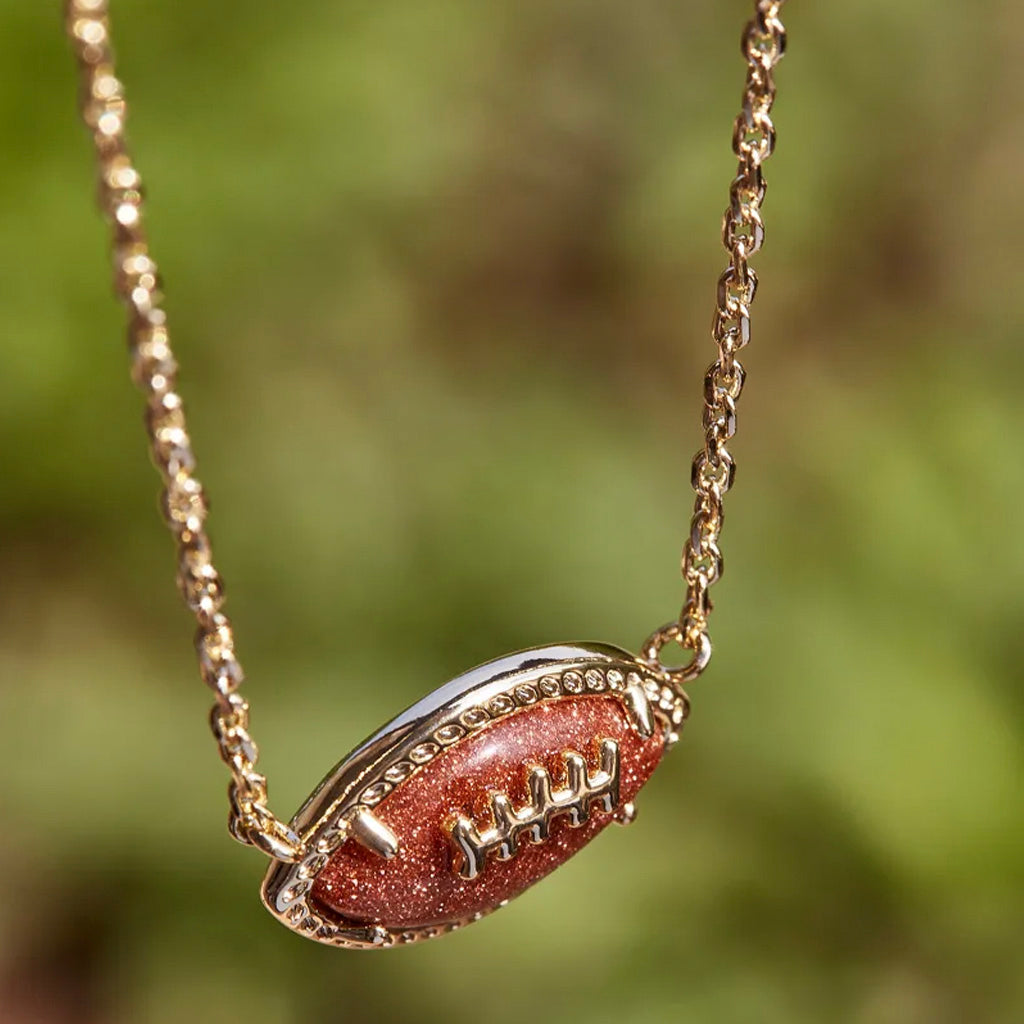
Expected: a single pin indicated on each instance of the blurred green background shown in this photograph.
(440, 276)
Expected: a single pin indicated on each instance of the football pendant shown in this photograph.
(473, 794)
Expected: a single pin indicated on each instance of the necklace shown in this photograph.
(499, 776)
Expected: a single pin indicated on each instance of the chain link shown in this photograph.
(763, 44)
(154, 371)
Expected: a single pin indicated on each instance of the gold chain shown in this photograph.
(154, 370)
(763, 44)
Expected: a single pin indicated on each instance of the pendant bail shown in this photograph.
(691, 636)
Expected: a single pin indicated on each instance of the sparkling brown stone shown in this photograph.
(419, 886)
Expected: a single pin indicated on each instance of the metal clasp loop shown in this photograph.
(689, 636)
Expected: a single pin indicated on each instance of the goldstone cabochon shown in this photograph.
(473, 794)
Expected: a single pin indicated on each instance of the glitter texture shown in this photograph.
(419, 887)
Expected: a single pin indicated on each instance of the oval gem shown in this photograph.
(422, 884)
(472, 794)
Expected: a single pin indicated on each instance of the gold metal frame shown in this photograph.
(341, 808)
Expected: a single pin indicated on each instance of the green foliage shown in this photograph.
(439, 277)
